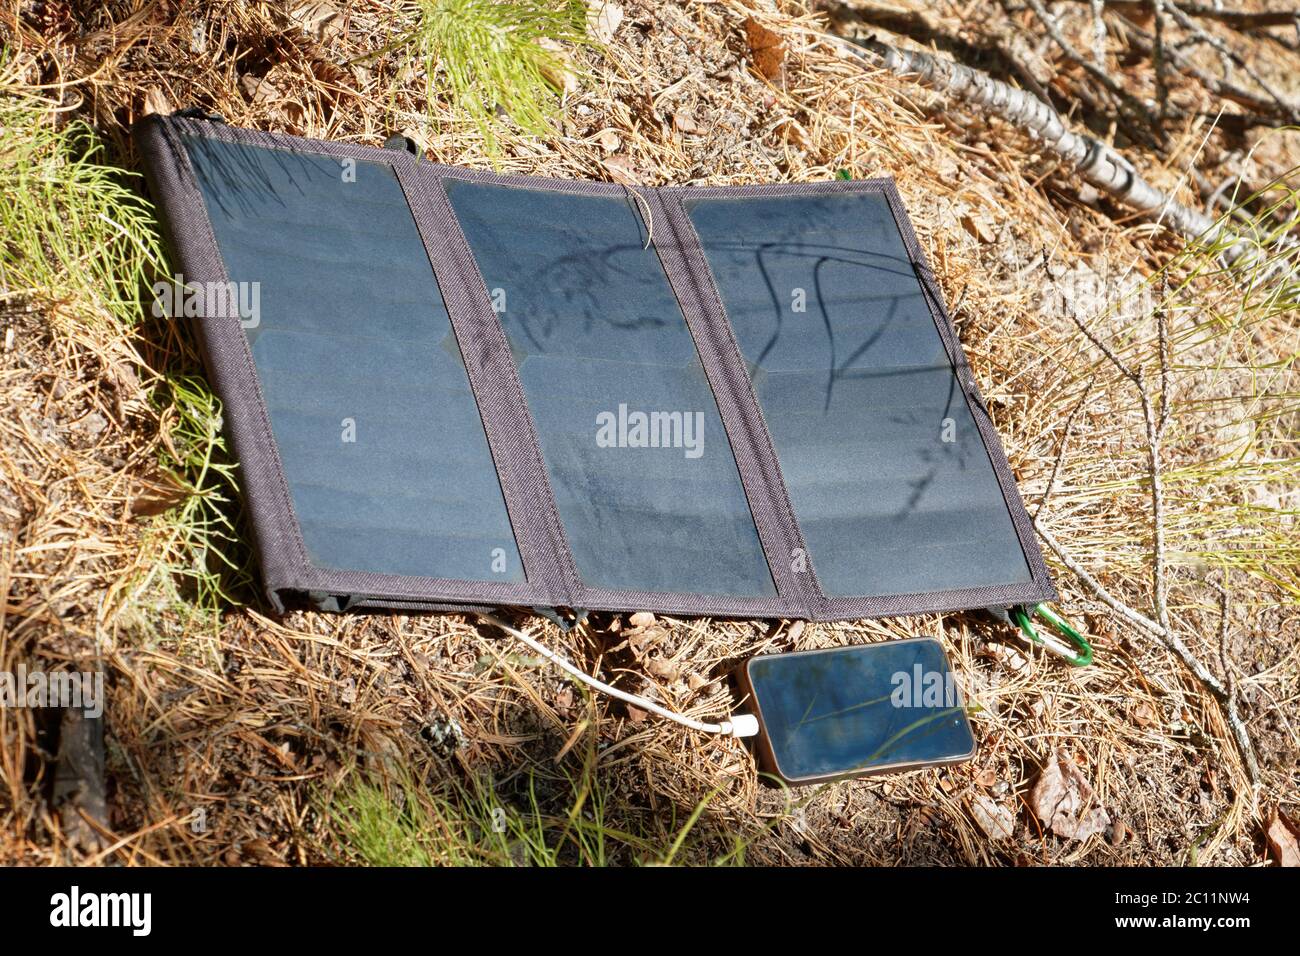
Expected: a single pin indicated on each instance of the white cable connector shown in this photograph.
(744, 725)
(741, 725)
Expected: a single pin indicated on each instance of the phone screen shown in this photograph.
(860, 709)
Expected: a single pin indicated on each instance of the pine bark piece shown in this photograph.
(79, 786)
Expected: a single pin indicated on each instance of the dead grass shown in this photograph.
(236, 738)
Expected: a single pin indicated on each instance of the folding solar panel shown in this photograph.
(447, 388)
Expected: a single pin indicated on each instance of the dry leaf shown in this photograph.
(603, 19)
(993, 818)
(986, 779)
(1283, 839)
(636, 715)
(685, 122)
(795, 630)
(559, 72)
(642, 639)
(977, 227)
(1061, 799)
(1144, 714)
(641, 619)
(1008, 657)
(664, 669)
(318, 19)
(155, 101)
(259, 89)
(608, 140)
(765, 48)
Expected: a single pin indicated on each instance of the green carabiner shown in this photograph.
(1022, 617)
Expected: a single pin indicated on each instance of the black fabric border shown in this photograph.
(539, 534)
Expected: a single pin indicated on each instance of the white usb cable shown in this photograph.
(741, 725)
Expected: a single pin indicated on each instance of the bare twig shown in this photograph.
(1236, 19)
(1158, 58)
(1001, 56)
(1154, 430)
(1060, 451)
(1230, 681)
(1171, 641)
(1122, 96)
(1231, 55)
(1260, 103)
(1099, 33)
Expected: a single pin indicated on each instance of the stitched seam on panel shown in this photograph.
(509, 410)
(754, 453)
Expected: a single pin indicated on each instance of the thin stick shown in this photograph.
(1060, 451)
(1236, 19)
(1099, 74)
(1158, 58)
(1263, 104)
(1099, 33)
(1153, 430)
(1225, 661)
(1231, 55)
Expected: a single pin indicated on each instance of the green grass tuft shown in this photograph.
(72, 231)
(80, 243)
(491, 57)
(396, 821)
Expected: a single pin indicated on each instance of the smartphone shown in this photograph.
(857, 711)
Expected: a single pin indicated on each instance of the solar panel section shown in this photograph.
(887, 472)
(641, 468)
(380, 438)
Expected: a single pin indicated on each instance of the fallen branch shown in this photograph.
(1236, 19)
(1094, 161)
(1099, 74)
(1185, 21)
(917, 26)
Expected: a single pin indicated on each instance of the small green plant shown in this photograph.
(1234, 463)
(80, 243)
(395, 821)
(496, 57)
(200, 554)
(72, 231)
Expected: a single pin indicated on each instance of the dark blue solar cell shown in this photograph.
(886, 469)
(642, 471)
(382, 443)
